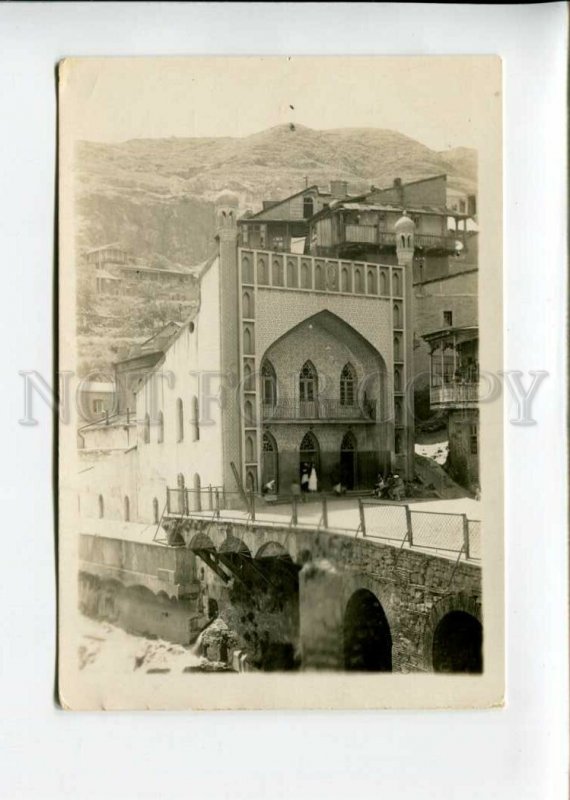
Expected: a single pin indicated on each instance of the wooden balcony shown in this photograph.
(371, 234)
(455, 395)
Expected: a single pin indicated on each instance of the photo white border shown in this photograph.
(520, 751)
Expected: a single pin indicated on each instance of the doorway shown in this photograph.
(348, 461)
(270, 461)
(309, 453)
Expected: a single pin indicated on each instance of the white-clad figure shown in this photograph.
(313, 479)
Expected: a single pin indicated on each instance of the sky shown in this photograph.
(435, 100)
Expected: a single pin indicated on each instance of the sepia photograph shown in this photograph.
(280, 322)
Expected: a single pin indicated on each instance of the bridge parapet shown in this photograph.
(329, 569)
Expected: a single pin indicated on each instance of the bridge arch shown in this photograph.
(453, 638)
(273, 550)
(367, 638)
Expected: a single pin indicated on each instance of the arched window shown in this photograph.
(247, 341)
(403, 240)
(249, 449)
(372, 287)
(249, 413)
(180, 495)
(344, 282)
(397, 290)
(160, 437)
(383, 283)
(248, 383)
(309, 452)
(308, 206)
(250, 481)
(195, 419)
(305, 276)
(308, 382)
(179, 420)
(397, 349)
(262, 271)
(197, 492)
(247, 306)
(319, 277)
(397, 316)
(291, 273)
(246, 270)
(127, 509)
(146, 429)
(155, 511)
(397, 381)
(358, 281)
(101, 506)
(347, 385)
(277, 272)
(269, 461)
(268, 384)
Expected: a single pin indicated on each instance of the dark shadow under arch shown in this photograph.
(367, 637)
(458, 644)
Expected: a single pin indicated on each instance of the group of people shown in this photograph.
(309, 481)
(391, 488)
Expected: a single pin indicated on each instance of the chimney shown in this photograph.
(339, 189)
(400, 189)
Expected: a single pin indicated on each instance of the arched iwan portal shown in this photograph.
(457, 644)
(367, 638)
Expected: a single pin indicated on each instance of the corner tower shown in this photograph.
(226, 206)
(404, 430)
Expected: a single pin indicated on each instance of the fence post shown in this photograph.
(362, 519)
(325, 513)
(252, 504)
(294, 510)
(409, 525)
(167, 500)
(210, 498)
(217, 498)
(466, 536)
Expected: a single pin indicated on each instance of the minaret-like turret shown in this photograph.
(405, 231)
(227, 205)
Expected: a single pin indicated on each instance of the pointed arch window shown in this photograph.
(146, 429)
(101, 505)
(160, 437)
(347, 385)
(155, 516)
(268, 384)
(127, 509)
(308, 382)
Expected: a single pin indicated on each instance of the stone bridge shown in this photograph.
(299, 597)
(316, 599)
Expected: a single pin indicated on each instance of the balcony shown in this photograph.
(318, 410)
(449, 395)
(370, 234)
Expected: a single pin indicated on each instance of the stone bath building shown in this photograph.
(310, 357)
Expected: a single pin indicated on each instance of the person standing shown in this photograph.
(305, 478)
(313, 479)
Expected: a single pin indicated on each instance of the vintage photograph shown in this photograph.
(282, 455)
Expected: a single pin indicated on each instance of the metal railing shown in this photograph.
(318, 409)
(440, 531)
(448, 534)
